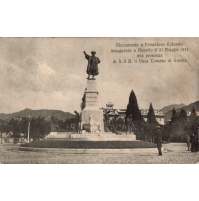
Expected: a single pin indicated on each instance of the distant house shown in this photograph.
(111, 111)
(158, 115)
(6, 135)
(189, 114)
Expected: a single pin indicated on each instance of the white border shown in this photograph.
(98, 19)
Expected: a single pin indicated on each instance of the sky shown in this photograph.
(50, 73)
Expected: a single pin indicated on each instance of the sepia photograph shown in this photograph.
(127, 100)
(99, 100)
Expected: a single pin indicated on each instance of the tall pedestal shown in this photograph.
(91, 115)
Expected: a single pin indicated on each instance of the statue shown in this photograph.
(92, 68)
(93, 124)
(78, 121)
(83, 104)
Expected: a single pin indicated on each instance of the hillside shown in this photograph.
(170, 107)
(36, 113)
(190, 106)
(187, 108)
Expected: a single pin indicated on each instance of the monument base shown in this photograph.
(92, 116)
(104, 137)
(59, 135)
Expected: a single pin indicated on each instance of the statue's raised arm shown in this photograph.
(86, 55)
(92, 68)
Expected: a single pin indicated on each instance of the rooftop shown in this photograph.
(110, 104)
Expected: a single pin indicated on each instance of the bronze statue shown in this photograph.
(78, 121)
(92, 68)
(83, 104)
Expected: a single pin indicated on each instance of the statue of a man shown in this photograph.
(92, 68)
(78, 121)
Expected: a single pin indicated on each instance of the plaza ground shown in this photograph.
(176, 153)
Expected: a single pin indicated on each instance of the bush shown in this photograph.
(90, 144)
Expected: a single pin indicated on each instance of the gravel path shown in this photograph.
(175, 154)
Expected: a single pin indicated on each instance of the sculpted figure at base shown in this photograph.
(92, 68)
(93, 124)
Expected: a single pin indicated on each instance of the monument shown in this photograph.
(90, 124)
(92, 116)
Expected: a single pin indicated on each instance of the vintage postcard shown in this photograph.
(99, 100)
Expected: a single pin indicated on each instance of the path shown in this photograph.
(176, 154)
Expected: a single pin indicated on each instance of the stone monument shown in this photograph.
(92, 116)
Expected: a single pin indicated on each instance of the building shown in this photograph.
(189, 114)
(122, 113)
(158, 115)
(110, 110)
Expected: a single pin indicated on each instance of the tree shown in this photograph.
(2, 128)
(14, 125)
(193, 110)
(71, 124)
(166, 134)
(183, 116)
(193, 121)
(174, 115)
(179, 126)
(39, 127)
(149, 131)
(193, 117)
(151, 125)
(151, 116)
(133, 110)
(118, 123)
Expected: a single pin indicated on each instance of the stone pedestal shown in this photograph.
(103, 137)
(92, 109)
(59, 135)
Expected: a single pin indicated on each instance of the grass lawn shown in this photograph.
(90, 144)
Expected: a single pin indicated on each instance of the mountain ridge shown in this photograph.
(170, 107)
(187, 108)
(61, 115)
(36, 113)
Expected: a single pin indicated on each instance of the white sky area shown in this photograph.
(50, 73)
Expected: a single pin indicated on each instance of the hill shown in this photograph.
(170, 107)
(190, 106)
(36, 113)
(187, 108)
